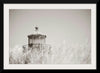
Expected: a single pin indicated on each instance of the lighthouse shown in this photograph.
(37, 49)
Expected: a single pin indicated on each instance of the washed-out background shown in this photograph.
(68, 33)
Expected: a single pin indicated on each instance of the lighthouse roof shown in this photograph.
(37, 36)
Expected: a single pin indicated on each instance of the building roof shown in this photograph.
(37, 36)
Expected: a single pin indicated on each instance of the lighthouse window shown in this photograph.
(30, 41)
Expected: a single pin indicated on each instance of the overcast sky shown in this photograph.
(58, 25)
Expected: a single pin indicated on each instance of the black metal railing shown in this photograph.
(37, 46)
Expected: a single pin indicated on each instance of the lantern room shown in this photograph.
(36, 39)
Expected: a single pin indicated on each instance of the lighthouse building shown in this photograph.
(39, 50)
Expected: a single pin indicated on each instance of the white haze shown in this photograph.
(65, 53)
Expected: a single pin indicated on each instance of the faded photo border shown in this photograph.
(7, 7)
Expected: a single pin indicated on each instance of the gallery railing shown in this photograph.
(38, 46)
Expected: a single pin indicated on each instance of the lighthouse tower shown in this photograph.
(36, 38)
(37, 48)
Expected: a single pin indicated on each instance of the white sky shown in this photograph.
(58, 25)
